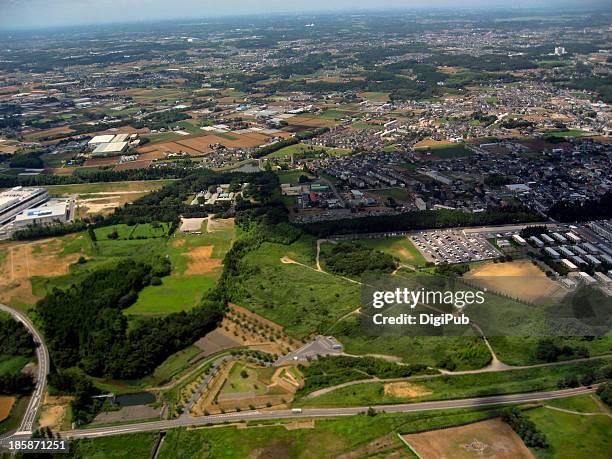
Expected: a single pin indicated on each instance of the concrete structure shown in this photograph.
(519, 240)
(17, 199)
(565, 251)
(45, 215)
(572, 237)
(590, 247)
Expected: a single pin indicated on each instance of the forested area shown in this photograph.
(84, 325)
(593, 209)
(525, 428)
(418, 220)
(353, 260)
(15, 341)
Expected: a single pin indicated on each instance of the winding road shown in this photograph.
(42, 354)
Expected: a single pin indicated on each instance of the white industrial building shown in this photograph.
(17, 199)
(100, 139)
(45, 215)
(110, 149)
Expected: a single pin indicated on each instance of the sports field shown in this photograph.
(518, 279)
(442, 149)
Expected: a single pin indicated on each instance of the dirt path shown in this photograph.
(578, 413)
(448, 373)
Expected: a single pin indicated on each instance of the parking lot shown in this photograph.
(453, 246)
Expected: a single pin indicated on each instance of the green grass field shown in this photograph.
(140, 231)
(446, 151)
(12, 365)
(399, 247)
(296, 297)
(302, 150)
(399, 194)
(568, 133)
(292, 177)
(459, 386)
(514, 350)
(182, 291)
(580, 403)
(572, 435)
(256, 381)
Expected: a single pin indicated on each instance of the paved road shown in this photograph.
(42, 354)
(321, 412)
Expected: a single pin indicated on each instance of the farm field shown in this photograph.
(106, 187)
(290, 176)
(22, 262)
(458, 386)
(355, 436)
(572, 435)
(487, 439)
(6, 405)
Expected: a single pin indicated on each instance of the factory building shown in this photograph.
(17, 199)
(45, 215)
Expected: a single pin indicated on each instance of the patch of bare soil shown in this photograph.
(405, 390)
(201, 261)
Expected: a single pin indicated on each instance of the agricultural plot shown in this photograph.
(302, 150)
(22, 262)
(485, 439)
(6, 405)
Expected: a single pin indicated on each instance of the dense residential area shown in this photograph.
(265, 236)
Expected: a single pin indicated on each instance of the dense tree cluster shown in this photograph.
(84, 325)
(268, 149)
(15, 340)
(593, 209)
(353, 260)
(420, 220)
(525, 428)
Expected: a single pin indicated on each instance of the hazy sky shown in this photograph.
(41, 13)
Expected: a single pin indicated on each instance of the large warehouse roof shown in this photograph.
(102, 139)
(110, 148)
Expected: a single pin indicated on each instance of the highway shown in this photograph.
(42, 354)
(187, 421)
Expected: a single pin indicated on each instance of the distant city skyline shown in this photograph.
(17, 14)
